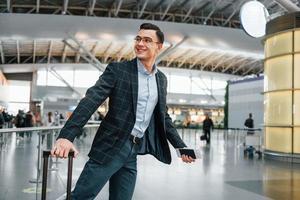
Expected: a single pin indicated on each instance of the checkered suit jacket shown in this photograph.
(119, 82)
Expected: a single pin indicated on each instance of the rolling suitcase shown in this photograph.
(46, 155)
(203, 137)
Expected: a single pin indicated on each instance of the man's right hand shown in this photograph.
(62, 147)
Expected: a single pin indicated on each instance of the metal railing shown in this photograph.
(45, 134)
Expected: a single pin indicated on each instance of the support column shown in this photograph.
(282, 88)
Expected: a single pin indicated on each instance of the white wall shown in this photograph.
(245, 97)
(15, 96)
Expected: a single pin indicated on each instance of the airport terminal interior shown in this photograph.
(235, 62)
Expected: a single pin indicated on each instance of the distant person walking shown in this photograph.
(207, 126)
(29, 121)
(20, 122)
(1, 118)
(249, 123)
(50, 119)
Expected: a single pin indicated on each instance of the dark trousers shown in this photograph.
(121, 173)
(207, 135)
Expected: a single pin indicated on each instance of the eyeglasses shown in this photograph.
(145, 40)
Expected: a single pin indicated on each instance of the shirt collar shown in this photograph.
(143, 70)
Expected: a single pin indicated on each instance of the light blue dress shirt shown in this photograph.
(147, 99)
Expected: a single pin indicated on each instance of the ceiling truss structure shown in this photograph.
(99, 53)
(224, 13)
(208, 12)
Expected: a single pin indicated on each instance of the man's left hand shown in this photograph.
(187, 159)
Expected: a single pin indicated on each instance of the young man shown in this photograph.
(137, 121)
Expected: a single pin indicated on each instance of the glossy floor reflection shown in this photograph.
(222, 173)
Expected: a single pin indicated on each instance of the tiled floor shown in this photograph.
(222, 173)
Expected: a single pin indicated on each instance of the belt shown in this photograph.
(135, 140)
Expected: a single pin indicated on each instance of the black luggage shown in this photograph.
(202, 137)
(46, 155)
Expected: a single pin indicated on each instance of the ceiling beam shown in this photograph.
(118, 52)
(202, 7)
(206, 88)
(234, 63)
(33, 51)
(226, 6)
(11, 60)
(170, 61)
(167, 9)
(269, 4)
(2, 53)
(59, 77)
(8, 6)
(27, 59)
(77, 55)
(118, 8)
(240, 66)
(56, 11)
(207, 56)
(183, 4)
(30, 11)
(201, 55)
(214, 58)
(250, 68)
(236, 9)
(189, 12)
(83, 56)
(49, 51)
(222, 62)
(243, 65)
(112, 5)
(124, 54)
(200, 86)
(182, 54)
(65, 7)
(37, 6)
(101, 66)
(121, 52)
(230, 17)
(174, 57)
(156, 6)
(106, 50)
(64, 54)
(18, 51)
(92, 4)
(288, 5)
(171, 49)
(95, 48)
(197, 18)
(186, 58)
(212, 12)
(141, 12)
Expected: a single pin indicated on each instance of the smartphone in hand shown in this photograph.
(188, 152)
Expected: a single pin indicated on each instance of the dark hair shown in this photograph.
(149, 26)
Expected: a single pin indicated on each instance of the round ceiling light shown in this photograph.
(254, 16)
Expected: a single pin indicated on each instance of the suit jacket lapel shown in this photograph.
(134, 84)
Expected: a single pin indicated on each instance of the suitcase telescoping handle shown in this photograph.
(46, 155)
